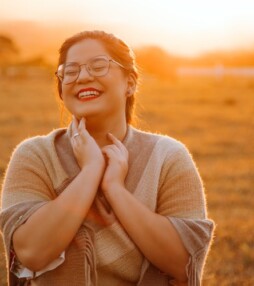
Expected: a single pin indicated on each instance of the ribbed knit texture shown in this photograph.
(162, 175)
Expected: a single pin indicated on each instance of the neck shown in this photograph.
(99, 131)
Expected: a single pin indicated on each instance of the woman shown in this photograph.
(102, 203)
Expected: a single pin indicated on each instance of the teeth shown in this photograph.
(88, 93)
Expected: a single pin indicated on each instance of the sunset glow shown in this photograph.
(180, 26)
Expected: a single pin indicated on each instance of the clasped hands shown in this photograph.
(110, 162)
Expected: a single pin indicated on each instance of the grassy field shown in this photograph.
(215, 119)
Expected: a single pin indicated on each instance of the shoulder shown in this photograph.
(37, 145)
(161, 148)
(159, 141)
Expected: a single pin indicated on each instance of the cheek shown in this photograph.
(120, 88)
(65, 92)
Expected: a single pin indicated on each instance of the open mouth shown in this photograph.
(88, 94)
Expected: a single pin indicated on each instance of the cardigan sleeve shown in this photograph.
(27, 177)
(181, 199)
(26, 187)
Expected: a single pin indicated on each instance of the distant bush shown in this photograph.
(8, 50)
(155, 61)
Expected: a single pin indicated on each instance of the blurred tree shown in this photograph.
(8, 50)
(155, 61)
(237, 58)
(38, 61)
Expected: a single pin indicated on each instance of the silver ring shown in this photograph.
(76, 135)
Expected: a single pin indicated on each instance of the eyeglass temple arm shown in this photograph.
(118, 64)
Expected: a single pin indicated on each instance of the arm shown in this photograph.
(52, 227)
(154, 235)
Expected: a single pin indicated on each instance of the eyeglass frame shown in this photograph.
(79, 65)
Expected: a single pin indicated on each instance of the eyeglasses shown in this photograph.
(96, 67)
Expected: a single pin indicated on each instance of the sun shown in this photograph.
(180, 26)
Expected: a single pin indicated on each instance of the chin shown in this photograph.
(79, 116)
(88, 116)
(79, 113)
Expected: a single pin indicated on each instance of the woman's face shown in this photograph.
(100, 98)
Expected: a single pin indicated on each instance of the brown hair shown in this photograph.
(119, 50)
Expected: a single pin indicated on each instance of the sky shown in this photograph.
(186, 27)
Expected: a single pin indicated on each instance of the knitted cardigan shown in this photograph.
(162, 175)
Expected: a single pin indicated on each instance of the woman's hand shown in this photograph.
(85, 149)
(117, 165)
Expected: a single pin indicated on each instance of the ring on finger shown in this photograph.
(76, 135)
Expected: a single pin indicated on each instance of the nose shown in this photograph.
(84, 75)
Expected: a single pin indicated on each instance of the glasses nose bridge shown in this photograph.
(81, 70)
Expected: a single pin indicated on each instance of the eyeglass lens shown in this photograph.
(95, 67)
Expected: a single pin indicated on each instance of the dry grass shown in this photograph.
(213, 118)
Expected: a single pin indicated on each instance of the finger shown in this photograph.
(112, 150)
(118, 143)
(75, 121)
(74, 125)
(75, 139)
(114, 155)
(82, 127)
(113, 139)
(82, 123)
(110, 153)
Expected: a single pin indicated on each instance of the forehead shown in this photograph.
(86, 49)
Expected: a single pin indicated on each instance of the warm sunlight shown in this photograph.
(182, 27)
(194, 95)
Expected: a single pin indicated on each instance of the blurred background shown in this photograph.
(196, 61)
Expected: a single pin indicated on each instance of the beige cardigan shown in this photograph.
(162, 175)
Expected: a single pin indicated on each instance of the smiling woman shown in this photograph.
(107, 104)
(100, 202)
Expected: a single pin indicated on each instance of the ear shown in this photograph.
(131, 85)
